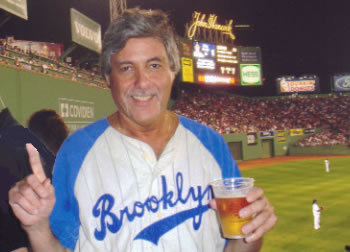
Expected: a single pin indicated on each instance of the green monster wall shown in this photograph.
(263, 148)
(25, 92)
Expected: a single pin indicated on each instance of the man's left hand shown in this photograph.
(264, 218)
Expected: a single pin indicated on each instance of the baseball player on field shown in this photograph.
(137, 180)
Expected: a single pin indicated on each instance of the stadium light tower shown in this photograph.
(116, 7)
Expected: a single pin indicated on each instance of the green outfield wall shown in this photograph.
(273, 146)
(25, 92)
(263, 147)
(320, 150)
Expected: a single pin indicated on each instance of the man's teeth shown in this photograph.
(142, 98)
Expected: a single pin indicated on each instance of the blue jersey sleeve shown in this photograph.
(64, 219)
(215, 144)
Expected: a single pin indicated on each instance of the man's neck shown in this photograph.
(156, 135)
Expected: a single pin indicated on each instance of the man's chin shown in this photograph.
(145, 119)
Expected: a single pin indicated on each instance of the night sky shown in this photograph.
(296, 36)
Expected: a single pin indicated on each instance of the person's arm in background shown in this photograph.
(32, 200)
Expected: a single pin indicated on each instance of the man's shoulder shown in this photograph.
(215, 144)
(87, 134)
(204, 133)
(197, 127)
(93, 129)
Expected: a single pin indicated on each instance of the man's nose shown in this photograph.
(142, 78)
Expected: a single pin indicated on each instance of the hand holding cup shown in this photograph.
(253, 217)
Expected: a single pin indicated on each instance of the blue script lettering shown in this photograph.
(111, 222)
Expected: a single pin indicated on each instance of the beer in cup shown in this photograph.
(230, 196)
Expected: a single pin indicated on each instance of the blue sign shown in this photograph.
(341, 83)
(270, 133)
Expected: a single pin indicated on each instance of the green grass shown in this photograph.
(291, 187)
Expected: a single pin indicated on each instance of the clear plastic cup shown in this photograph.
(230, 196)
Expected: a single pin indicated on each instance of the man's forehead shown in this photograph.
(146, 49)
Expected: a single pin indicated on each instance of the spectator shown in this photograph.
(2, 48)
(14, 166)
(46, 132)
(49, 127)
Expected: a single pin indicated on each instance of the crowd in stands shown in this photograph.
(224, 113)
(322, 138)
(33, 61)
(229, 114)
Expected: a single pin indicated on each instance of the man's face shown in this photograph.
(141, 80)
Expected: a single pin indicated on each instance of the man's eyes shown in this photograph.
(155, 65)
(125, 68)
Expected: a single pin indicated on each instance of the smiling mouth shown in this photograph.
(142, 98)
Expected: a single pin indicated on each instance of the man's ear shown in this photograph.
(108, 81)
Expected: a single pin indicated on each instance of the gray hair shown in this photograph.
(137, 23)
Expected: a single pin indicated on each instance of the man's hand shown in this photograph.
(32, 199)
(264, 218)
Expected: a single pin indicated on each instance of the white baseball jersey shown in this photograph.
(112, 194)
(316, 210)
(326, 162)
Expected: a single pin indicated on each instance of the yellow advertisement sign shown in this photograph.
(281, 136)
(187, 69)
(201, 20)
(296, 132)
(281, 139)
(281, 133)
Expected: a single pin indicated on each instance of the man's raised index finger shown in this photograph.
(35, 162)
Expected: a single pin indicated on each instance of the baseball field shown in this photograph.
(291, 184)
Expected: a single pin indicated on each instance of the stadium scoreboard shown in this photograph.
(211, 64)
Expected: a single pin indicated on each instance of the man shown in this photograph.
(139, 179)
(326, 163)
(49, 127)
(316, 211)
